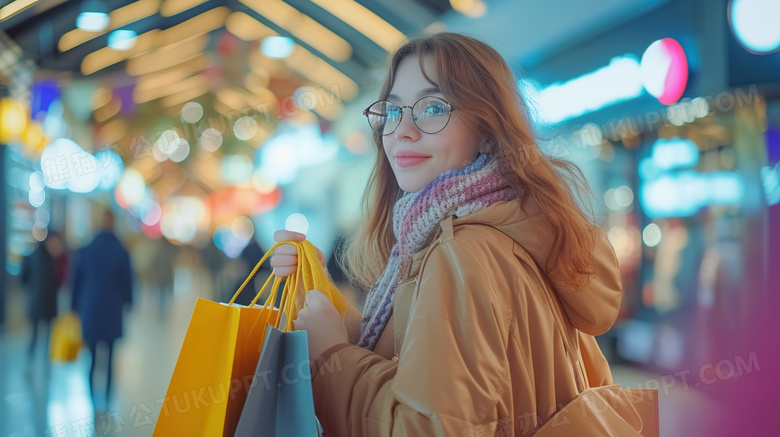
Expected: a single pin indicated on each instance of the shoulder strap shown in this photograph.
(557, 313)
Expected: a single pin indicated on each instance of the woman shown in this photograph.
(468, 226)
(43, 272)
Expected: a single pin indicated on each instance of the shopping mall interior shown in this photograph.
(205, 126)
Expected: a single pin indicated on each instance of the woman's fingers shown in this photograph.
(284, 265)
(286, 249)
(284, 261)
(285, 257)
(284, 272)
(285, 235)
(320, 256)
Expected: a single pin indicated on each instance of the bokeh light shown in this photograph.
(277, 46)
(181, 151)
(39, 232)
(210, 140)
(245, 128)
(297, 223)
(236, 169)
(651, 235)
(122, 39)
(191, 112)
(243, 228)
(755, 23)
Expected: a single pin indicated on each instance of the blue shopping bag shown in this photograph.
(280, 400)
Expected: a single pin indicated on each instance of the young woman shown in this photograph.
(469, 229)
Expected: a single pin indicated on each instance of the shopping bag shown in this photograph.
(608, 410)
(280, 401)
(221, 348)
(215, 367)
(65, 338)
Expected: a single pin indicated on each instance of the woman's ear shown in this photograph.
(487, 145)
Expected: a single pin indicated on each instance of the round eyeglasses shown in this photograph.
(430, 114)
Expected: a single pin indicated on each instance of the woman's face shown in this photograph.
(455, 146)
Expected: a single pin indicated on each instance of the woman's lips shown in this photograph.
(410, 161)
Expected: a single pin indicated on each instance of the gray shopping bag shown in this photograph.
(280, 400)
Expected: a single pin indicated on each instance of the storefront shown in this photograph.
(680, 149)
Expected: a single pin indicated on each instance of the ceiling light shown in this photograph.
(173, 7)
(122, 39)
(118, 18)
(168, 56)
(469, 8)
(364, 21)
(93, 16)
(303, 27)
(14, 8)
(246, 27)
(320, 71)
(105, 57)
(754, 23)
(277, 46)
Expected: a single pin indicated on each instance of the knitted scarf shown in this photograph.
(457, 192)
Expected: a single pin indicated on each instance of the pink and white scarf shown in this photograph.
(457, 192)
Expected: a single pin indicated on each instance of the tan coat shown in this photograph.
(472, 348)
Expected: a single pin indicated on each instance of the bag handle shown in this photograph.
(558, 318)
(309, 273)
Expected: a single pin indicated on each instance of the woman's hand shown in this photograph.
(323, 323)
(285, 257)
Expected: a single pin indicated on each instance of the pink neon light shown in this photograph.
(677, 74)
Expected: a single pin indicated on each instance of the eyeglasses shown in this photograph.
(430, 114)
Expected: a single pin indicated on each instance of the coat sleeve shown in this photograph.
(451, 365)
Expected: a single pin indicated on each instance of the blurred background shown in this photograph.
(206, 125)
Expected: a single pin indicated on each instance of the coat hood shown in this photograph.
(592, 308)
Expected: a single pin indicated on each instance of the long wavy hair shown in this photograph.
(477, 81)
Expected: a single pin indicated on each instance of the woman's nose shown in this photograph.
(407, 130)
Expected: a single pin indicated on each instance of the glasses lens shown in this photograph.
(383, 117)
(431, 114)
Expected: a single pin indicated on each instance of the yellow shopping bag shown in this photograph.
(221, 348)
(65, 338)
(214, 370)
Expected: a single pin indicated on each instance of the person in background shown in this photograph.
(102, 292)
(42, 275)
(162, 268)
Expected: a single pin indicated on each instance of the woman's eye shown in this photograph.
(435, 109)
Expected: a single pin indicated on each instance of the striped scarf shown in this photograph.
(457, 192)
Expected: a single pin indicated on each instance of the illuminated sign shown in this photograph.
(662, 72)
(755, 24)
(665, 70)
(670, 188)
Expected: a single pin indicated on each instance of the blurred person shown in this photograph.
(42, 274)
(161, 273)
(102, 293)
(215, 260)
(471, 237)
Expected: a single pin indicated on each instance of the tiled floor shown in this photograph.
(52, 399)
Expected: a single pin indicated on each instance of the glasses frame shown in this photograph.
(450, 108)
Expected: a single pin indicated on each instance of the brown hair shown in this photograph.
(478, 82)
